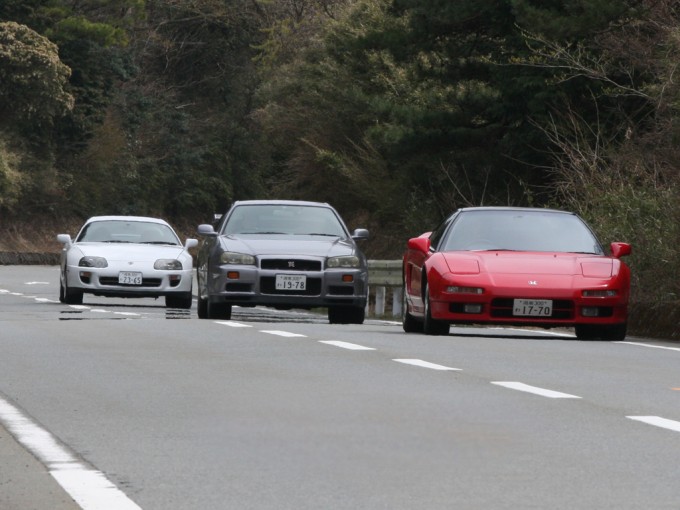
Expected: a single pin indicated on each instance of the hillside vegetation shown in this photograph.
(396, 112)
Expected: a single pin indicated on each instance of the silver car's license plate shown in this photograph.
(291, 282)
(129, 278)
(532, 307)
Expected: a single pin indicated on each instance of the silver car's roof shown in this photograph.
(281, 202)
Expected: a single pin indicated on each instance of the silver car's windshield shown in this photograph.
(116, 231)
(520, 231)
(280, 219)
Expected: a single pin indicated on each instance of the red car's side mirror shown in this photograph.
(421, 244)
(620, 249)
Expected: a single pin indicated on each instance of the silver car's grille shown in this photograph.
(291, 264)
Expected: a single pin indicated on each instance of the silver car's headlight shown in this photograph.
(243, 259)
(90, 261)
(168, 265)
(344, 262)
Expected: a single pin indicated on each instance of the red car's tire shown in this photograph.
(432, 326)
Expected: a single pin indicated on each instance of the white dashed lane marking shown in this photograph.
(658, 422)
(533, 389)
(347, 345)
(424, 364)
(233, 324)
(286, 334)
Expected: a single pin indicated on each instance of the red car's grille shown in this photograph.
(502, 308)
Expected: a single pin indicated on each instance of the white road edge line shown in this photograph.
(533, 389)
(346, 345)
(651, 346)
(86, 485)
(658, 422)
(283, 333)
(424, 364)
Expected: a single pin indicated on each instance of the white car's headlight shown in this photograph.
(344, 262)
(243, 259)
(168, 265)
(90, 261)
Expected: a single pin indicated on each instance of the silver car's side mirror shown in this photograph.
(206, 230)
(190, 243)
(360, 234)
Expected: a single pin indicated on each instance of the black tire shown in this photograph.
(219, 310)
(432, 326)
(408, 322)
(182, 301)
(70, 296)
(202, 307)
(346, 314)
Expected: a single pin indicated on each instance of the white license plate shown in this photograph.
(532, 307)
(129, 278)
(291, 282)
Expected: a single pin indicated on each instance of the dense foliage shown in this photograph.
(395, 111)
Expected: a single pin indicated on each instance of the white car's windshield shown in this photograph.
(283, 219)
(116, 231)
(520, 231)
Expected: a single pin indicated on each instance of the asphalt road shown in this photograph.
(123, 404)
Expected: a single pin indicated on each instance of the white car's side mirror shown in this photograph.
(190, 243)
(64, 239)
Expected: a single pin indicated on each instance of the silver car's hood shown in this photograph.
(313, 246)
(137, 252)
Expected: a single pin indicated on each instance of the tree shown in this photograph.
(33, 79)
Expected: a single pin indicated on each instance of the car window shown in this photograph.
(116, 231)
(280, 219)
(521, 231)
(438, 233)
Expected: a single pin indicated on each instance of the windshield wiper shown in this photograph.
(159, 242)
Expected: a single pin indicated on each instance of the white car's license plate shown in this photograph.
(291, 282)
(532, 307)
(129, 278)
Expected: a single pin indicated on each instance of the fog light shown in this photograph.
(454, 289)
(347, 278)
(175, 277)
(233, 275)
(599, 293)
(473, 308)
(590, 311)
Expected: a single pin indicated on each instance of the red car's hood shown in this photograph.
(529, 263)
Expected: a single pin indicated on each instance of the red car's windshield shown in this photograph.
(520, 230)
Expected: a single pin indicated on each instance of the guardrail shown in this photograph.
(384, 285)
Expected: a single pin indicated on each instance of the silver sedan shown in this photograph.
(282, 254)
(126, 256)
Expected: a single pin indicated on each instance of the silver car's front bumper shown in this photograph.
(249, 285)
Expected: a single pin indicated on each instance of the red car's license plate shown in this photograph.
(532, 307)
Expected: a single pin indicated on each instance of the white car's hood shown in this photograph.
(130, 252)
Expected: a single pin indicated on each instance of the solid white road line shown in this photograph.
(87, 486)
(424, 364)
(346, 345)
(533, 389)
(283, 333)
(658, 422)
(651, 346)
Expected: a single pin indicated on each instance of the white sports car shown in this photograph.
(126, 256)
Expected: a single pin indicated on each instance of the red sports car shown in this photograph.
(515, 266)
